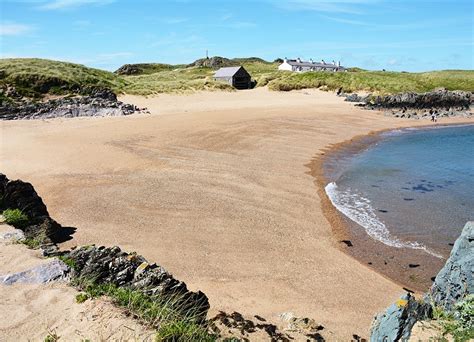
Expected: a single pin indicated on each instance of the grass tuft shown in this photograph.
(16, 218)
(81, 298)
(174, 320)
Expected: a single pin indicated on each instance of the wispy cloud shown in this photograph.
(347, 21)
(13, 29)
(334, 6)
(69, 4)
(174, 21)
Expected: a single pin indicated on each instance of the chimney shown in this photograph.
(311, 60)
(333, 62)
(322, 61)
(339, 63)
(298, 60)
(285, 60)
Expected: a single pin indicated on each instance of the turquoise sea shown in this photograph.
(411, 189)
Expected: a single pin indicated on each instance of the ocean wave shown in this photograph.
(359, 210)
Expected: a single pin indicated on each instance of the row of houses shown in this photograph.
(297, 65)
(239, 78)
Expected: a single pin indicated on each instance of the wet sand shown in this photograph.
(217, 188)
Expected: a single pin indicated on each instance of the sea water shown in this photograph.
(413, 188)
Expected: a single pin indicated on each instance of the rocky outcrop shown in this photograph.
(113, 266)
(438, 103)
(452, 284)
(214, 62)
(396, 322)
(98, 102)
(455, 281)
(128, 69)
(16, 194)
(443, 99)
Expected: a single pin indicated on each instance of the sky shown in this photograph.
(401, 35)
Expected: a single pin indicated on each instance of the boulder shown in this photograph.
(455, 281)
(396, 322)
(54, 270)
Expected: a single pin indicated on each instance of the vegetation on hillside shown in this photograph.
(36, 77)
(374, 81)
(33, 77)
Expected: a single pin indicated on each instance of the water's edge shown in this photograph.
(377, 253)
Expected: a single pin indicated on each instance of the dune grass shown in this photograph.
(36, 77)
(173, 318)
(373, 81)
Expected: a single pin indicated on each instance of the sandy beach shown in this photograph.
(216, 187)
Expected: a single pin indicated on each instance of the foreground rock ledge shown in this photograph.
(453, 284)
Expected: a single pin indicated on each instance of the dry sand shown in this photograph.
(216, 188)
(32, 312)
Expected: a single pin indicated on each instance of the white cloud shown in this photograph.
(68, 4)
(173, 21)
(12, 29)
(335, 6)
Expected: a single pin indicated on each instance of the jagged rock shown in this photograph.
(22, 195)
(434, 99)
(128, 69)
(455, 281)
(17, 194)
(113, 266)
(353, 98)
(396, 322)
(438, 103)
(214, 62)
(98, 102)
(45, 273)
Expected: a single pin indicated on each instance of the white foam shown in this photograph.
(359, 210)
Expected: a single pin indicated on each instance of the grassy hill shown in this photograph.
(35, 77)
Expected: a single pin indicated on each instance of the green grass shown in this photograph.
(16, 218)
(173, 320)
(33, 76)
(374, 81)
(459, 323)
(68, 261)
(81, 298)
(36, 77)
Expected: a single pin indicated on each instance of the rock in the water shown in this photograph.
(396, 322)
(51, 271)
(455, 281)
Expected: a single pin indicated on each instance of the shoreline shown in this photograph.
(342, 226)
(214, 186)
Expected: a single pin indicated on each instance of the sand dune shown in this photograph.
(216, 188)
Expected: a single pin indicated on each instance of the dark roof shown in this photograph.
(313, 65)
(227, 72)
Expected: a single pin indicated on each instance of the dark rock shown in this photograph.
(438, 103)
(455, 281)
(348, 243)
(96, 102)
(214, 62)
(413, 265)
(353, 98)
(396, 322)
(113, 266)
(21, 195)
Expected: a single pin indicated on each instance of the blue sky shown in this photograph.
(415, 35)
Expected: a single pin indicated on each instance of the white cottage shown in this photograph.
(297, 65)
